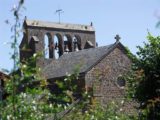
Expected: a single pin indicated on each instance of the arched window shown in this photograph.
(46, 50)
(56, 50)
(67, 43)
(58, 46)
(48, 46)
(76, 43)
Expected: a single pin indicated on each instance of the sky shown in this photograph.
(131, 19)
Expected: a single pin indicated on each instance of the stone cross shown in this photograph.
(117, 37)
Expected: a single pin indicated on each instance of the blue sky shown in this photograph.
(129, 18)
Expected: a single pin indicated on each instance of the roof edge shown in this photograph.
(37, 23)
(109, 51)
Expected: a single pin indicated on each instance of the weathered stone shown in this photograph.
(100, 67)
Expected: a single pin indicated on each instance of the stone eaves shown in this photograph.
(67, 26)
(67, 63)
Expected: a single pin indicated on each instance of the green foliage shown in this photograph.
(30, 99)
(113, 111)
(130, 55)
(144, 80)
(149, 57)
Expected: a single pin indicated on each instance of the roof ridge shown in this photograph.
(111, 47)
(57, 22)
(74, 52)
(65, 64)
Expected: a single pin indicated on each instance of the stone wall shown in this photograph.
(103, 77)
(40, 32)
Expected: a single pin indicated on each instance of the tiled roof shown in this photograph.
(84, 58)
(69, 26)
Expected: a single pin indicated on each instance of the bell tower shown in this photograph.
(54, 39)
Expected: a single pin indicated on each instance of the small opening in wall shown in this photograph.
(121, 82)
(56, 48)
(67, 43)
(48, 46)
(76, 43)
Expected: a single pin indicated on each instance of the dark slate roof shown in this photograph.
(85, 58)
(37, 23)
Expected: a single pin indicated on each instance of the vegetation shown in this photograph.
(30, 99)
(144, 80)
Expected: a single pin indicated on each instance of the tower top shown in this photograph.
(68, 26)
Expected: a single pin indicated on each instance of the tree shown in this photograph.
(144, 80)
(34, 102)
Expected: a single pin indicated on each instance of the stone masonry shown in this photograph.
(101, 68)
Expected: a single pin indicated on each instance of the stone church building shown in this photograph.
(66, 46)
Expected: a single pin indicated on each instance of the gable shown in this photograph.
(85, 59)
(117, 45)
(103, 76)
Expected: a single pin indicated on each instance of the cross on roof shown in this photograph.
(117, 37)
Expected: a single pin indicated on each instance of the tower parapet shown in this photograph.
(54, 39)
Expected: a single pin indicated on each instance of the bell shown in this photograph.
(76, 48)
(66, 49)
(56, 46)
(51, 46)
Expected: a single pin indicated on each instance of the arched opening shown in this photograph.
(56, 50)
(48, 46)
(77, 43)
(58, 46)
(67, 43)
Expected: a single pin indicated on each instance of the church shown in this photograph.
(66, 46)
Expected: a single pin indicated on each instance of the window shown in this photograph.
(121, 82)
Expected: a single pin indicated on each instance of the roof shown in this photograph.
(36, 23)
(86, 58)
